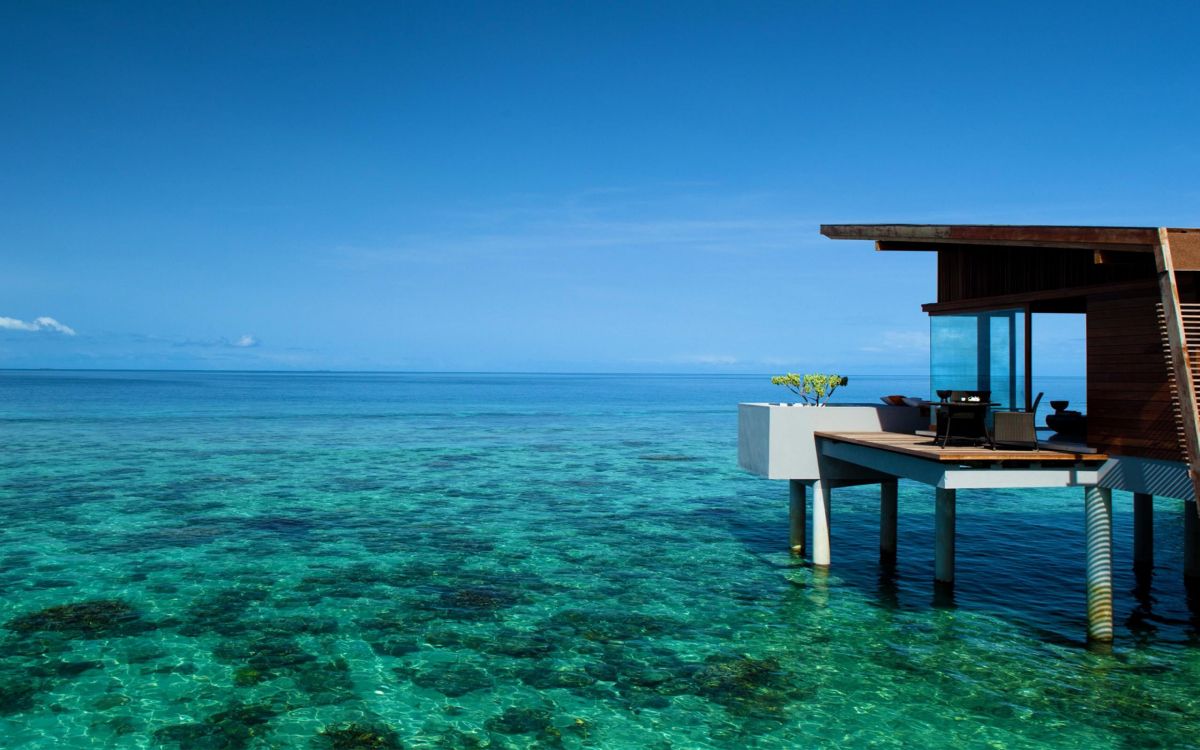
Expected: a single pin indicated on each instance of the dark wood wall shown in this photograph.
(1130, 409)
(983, 271)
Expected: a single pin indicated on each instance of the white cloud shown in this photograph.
(42, 323)
(245, 341)
(711, 359)
(689, 218)
(900, 341)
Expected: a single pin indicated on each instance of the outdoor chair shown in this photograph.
(1016, 428)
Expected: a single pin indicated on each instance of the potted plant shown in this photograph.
(814, 389)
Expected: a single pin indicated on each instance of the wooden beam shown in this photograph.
(1111, 252)
(1027, 235)
(1047, 295)
(1180, 361)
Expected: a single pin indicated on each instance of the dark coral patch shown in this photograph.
(358, 736)
(452, 680)
(394, 645)
(65, 669)
(92, 619)
(521, 720)
(473, 602)
(16, 696)
(544, 676)
(232, 729)
(606, 627)
(327, 683)
(743, 685)
(520, 645)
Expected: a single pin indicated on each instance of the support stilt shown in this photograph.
(1143, 531)
(797, 516)
(1191, 541)
(888, 496)
(943, 554)
(1098, 525)
(820, 503)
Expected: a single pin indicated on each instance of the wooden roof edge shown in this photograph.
(930, 236)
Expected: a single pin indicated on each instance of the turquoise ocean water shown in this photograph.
(459, 561)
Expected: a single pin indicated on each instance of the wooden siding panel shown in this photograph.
(1130, 409)
(964, 274)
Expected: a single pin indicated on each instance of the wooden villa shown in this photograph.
(1138, 288)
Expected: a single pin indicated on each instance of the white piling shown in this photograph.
(888, 496)
(943, 525)
(820, 543)
(1098, 523)
(1143, 531)
(797, 515)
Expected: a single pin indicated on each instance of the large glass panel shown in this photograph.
(982, 351)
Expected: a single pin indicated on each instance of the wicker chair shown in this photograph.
(1016, 428)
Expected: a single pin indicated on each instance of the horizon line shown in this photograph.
(869, 373)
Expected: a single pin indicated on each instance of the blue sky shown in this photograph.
(553, 186)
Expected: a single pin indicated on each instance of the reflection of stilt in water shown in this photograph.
(888, 586)
(821, 584)
(1191, 562)
(1191, 541)
(1191, 587)
(1140, 619)
(943, 595)
(1143, 564)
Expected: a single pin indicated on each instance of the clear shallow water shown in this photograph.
(243, 561)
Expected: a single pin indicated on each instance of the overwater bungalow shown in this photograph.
(1138, 289)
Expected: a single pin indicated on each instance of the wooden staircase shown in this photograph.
(1181, 324)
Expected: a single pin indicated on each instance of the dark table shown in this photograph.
(967, 419)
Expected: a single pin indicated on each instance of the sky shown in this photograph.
(532, 186)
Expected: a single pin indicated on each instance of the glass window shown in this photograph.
(982, 351)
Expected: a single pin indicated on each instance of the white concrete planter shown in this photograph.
(777, 442)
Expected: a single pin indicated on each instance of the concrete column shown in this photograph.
(943, 532)
(820, 543)
(797, 516)
(1143, 531)
(888, 496)
(1191, 541)
(1097, 503)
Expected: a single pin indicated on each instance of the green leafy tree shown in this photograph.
(813, 388)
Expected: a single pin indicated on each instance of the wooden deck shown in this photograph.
(924, 447)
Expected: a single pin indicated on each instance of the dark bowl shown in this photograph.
(1059, 405)
(943, 395)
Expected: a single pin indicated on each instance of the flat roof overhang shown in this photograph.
(933, 236)
(1109, 245)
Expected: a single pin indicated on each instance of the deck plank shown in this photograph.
(924, 447)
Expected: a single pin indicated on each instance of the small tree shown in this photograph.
(813, 389)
